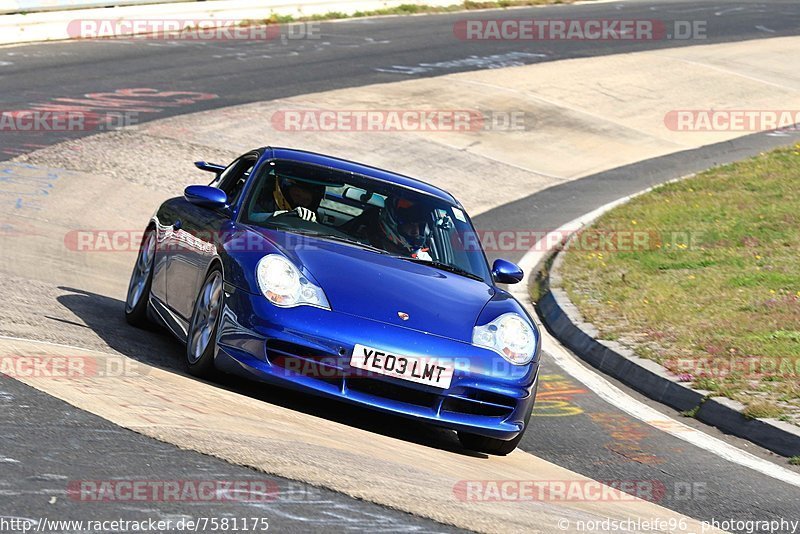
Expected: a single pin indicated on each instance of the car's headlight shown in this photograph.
(284, 285)
(510, 336)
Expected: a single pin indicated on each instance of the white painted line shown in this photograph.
(729, 10)
(615, 396)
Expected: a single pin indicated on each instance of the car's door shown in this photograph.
(195, 235)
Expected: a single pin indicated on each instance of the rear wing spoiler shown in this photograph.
(209, 167)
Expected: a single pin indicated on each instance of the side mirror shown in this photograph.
(206, 196)
(505, 272)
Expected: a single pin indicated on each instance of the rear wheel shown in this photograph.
(201, 339)
(495, 446)
(141, 279)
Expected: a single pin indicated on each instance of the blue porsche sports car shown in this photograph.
(345, 281)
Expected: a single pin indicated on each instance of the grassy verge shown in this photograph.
(703, 276)
(409, 9)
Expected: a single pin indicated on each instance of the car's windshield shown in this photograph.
(309, 199)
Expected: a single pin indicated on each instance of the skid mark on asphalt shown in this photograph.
(280, 50)
(556, 396)
(98, 111)
(496, 61)
(340, 516)
(24, 190)
(22, 187)
(627, 437)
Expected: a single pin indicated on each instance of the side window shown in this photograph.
(260, 204)
(233, 178)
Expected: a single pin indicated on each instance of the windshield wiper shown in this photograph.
(342, 239)
(323, 235)
(442, 266)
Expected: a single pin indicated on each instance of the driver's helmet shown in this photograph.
(403, 222)
(290, 194)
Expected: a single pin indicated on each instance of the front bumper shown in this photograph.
(309, 349)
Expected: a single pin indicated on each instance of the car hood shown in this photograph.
(377, 286)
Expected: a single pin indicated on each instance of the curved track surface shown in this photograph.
(348, 54)
(576, 430)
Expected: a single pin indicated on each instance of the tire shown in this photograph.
(138, 297)
(494, 446)
(202, 335)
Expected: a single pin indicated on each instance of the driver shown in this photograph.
(296, 196)
(401, 228)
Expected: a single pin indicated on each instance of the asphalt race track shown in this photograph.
(351, 53)
(53, 441)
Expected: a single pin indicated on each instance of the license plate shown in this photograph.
(430, 371)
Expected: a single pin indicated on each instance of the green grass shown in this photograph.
(713, 289)
(691, 413)
(760, 409)
(794, 460)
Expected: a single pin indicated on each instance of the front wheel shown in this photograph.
(499, 447)
(141, 279)
(202, 335)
